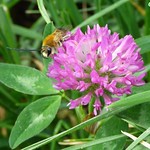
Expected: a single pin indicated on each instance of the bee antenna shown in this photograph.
(20, 49)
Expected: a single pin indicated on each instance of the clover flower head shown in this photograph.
(98, 64)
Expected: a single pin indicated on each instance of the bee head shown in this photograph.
(46, 51)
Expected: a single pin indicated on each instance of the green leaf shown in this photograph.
(140, 116)
(139, 89)
(111, 110)
(33, 119)
(112, 127)
(25, 79)
(144, 44)
(49, 28)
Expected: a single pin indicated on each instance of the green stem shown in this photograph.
(43, 11)
(65, 96)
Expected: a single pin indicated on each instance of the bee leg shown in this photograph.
(53, 50)
(60, 43)
(66, 37)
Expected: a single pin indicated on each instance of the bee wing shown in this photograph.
(65, 28)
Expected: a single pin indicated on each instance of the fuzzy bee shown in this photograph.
(53, 41)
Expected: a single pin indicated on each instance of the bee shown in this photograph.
(50, 43)
(53, 41)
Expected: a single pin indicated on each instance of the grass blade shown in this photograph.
(101, 13)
